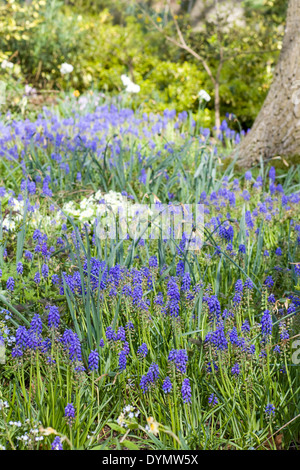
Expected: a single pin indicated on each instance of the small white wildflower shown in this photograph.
(121, 420)
(203, 95)
(15, 423)
(66, 68)
(6, 64)
(3, 404)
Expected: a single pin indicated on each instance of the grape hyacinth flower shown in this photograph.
(218, 337)
(186, 391)
(269, 282)
(56, 444)
(226, 232)
(45, 271)
(21, 336)
(248, 176)
(36, 324)
(167, 385)
(272, 174)
(284, 334)
(110, 334)
(242, 249)
(28, 255)
(37, 277)
(212, 399)
(180, 268)
(174, 298)
(10, 284)
(245, 326)
(121, 335)
(126, 348)
(129, 326)
(235, 369)
(239, 286)
(270, 409)
(271, 299)
(214, 306)
(150, 378)
(142, 350)
(266, 324)
(93, 360)
(277, 349)
(53, 317)
(20, 268)
(122, 360)
(70, 413)
(72, 344)
(248, 284)
(153, 263)
(186, 282)
(180, 359)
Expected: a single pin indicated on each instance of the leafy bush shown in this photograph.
(42, 35)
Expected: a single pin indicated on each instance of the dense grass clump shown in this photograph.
(135, 342)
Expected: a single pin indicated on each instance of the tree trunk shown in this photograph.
(276, 130)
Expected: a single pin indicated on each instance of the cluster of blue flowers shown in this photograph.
(150, 378)
(179, 358)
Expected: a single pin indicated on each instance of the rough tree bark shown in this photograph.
(276, 131)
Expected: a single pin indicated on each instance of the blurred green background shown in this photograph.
(103, 39)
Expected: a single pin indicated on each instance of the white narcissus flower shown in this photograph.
(8, 224)
(87, 214)
(133, 88)
(66, 68)
(153, 426)
(130, 87)
(203, 95)
(84, 203)
(125, 80)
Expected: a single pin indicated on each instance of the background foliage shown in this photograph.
(103, 39)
